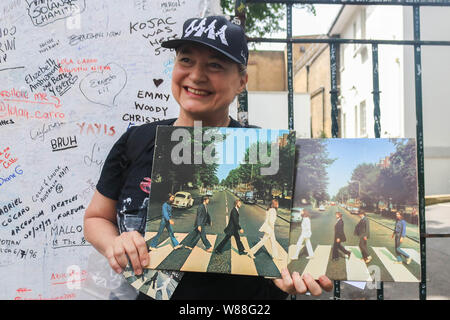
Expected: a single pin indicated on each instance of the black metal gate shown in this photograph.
(334, 43)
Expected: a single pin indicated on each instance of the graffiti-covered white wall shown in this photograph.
(74, 75)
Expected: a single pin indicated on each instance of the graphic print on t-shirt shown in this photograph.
(146, 185)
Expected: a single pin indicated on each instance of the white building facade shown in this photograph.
(397, 81)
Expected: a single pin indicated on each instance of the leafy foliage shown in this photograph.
(175, 177)
(250, 173)
(395, 184)
(263, 19)
(312, 178)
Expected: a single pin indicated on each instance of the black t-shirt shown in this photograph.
(133, 194)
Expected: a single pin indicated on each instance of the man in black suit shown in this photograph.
(153, 280)
(232, 229)
(202, 220)
(339, 237)
(362, 230)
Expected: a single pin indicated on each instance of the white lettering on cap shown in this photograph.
(210, 30)
(191, 28)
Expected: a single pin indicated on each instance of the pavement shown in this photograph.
(437, 219)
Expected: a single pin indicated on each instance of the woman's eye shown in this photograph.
(216, 65)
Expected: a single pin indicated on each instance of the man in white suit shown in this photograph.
(268, 227)
(304, 237)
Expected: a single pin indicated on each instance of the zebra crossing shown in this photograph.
(151, 282)
(163, 249)
(199, 259)
(318, 266)
(356, 268)
(397, 271)
(241, 264)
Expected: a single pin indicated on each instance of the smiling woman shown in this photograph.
(204, 83)
(208, 73)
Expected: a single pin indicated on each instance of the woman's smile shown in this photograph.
(197, 92)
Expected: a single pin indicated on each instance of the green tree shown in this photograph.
(364, 178)
(312, 178)
(172, 177)
(250, 173)
(262, 18)
(399, 180)
(342, 195)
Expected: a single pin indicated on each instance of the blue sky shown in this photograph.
(349, 154)
(227, 166)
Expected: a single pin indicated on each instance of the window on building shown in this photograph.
(344, 125)
(362, 119)
(363, 23)
(359, 30)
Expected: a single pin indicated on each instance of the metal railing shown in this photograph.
(417, 43)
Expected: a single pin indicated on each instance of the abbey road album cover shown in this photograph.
(355, 210)
(220, 200)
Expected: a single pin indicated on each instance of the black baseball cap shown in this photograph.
(215, 32)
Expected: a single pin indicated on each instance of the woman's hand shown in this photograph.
(296, 284)
(128, 245)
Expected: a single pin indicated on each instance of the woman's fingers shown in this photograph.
(133, 256)
(113, 262)
(297, 284)
(120, 254)
(326, 283)
(141, 248)
(129, 246)
(313, 287)
(300, 286)
(285, 283)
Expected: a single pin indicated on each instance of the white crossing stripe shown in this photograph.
(282, 259)
(163, 250)
(138, 283)
(356, 267)
(151, 292)
(241, 264)
(293, 250)
(149, 235)
(317, 266)
(128, 274)
(413, 254)
(198, 260)
(397, 271)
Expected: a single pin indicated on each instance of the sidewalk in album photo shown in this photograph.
(437, 272)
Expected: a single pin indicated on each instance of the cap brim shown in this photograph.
(175, 43)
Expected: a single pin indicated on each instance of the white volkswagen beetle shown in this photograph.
(183, 200)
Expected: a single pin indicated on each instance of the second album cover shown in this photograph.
(221, 200)
(253, 201)
(355, 210)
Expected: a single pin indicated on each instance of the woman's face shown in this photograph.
(204, 81)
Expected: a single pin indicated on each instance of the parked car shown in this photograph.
(183, 200)
(354, 210)
(249, 197)
(209, 193)
(321, 208)
(296, 214)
